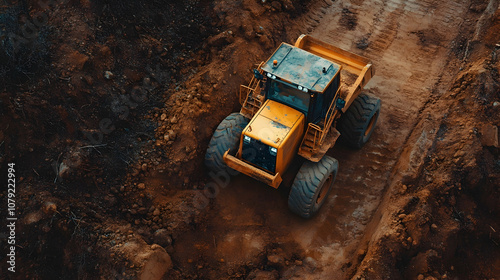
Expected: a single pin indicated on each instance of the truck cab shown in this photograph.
(301, 80)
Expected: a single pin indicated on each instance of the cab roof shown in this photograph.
(301, 68)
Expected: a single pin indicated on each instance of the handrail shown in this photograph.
(248, 88)
(315, 126)
(329, 118)
(242, 88)
(252, 86)
(330, 114)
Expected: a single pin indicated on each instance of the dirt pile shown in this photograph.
(439, 219)
(104, 125)
(76, 123)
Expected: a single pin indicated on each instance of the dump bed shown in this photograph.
(355, 65)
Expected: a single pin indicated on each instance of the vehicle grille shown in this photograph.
(258, 153)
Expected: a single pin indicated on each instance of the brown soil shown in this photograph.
(107, 108)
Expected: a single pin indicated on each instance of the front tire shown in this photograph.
(358, 122)
(312, 185)
(226, 137)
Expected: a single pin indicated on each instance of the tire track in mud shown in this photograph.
(408, 42)
(309, 21)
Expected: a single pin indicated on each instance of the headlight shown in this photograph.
(246, 139)
(273, 151)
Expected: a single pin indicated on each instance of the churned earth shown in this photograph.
(107, 108)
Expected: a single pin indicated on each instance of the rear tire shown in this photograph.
(312, 185)
(226, 137)
(358, 122)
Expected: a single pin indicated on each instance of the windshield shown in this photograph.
(288, 95)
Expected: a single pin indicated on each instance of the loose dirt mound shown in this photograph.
(439, 219)
(442, 220)
(107, 108)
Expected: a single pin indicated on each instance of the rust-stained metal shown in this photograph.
(252, 171)
(301, 67)
(251, 97)
(309, 66)
(314, 144)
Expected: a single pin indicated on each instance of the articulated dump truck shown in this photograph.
(298, 103)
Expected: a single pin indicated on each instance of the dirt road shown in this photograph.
(410, 43)
(108, 113)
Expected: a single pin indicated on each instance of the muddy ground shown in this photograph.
(107, 107)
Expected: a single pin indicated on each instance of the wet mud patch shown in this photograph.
(349, 19)
(428, 37)
(363, 43)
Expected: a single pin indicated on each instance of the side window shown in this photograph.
(330, 93)
(317, 108)
(275, 90)
(322, 101)
(288, 95)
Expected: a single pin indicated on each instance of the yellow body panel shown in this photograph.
(288, 148)
(252, 171)
(278, 112)
(272, 123)
(278, 126)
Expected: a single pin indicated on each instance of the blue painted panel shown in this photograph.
(301, 68)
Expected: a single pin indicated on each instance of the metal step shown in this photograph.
(308, 143)
(253, 104)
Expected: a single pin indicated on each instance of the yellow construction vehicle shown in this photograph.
(297, 103)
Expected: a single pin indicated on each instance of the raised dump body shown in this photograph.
(352, 63)
(319, 138)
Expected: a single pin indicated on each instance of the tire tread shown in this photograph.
(307, 183)
(226, 136)
(353, 123)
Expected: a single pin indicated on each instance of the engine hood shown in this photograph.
(272, 123)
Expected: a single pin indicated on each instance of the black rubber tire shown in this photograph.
(226, 136)
(357, 124)
(310, 182)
